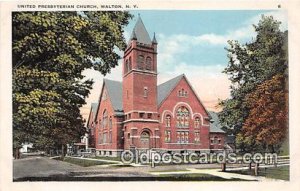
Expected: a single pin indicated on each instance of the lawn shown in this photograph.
(175, 170)
(84, 162)
(282, 173)
(194, 177)
(107, 158)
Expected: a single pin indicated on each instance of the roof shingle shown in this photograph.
(114, 90)
(164, 89)
(215, 126)
(140, 33)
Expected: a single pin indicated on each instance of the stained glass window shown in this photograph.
(110, 137)
(167, 136)
(186, 137)
(110, 122)
(197, 122)
(104, 138)
(183, 117)
(99, 138)
(182, 137)
(197, 137)
(104, 120)
(178, 137)
(168, 121)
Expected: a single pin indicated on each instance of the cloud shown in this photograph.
(277, 15)
(173, 48)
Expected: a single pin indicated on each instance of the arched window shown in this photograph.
(126, 66)
(216, 140)
(140, 62)
(129, 64)
(104, 119)
(148, 63)
(197, 122)
(145, 135)
(110, 122)
(168, 121)
(182, 117)
(182, 93)
(145, 91)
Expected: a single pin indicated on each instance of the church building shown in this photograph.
(139, 114)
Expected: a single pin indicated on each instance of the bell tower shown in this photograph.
(140, 88)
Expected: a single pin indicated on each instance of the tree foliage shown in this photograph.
(50, 52)
(250, 65)
(266, 125)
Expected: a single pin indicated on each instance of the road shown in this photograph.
(41, 167)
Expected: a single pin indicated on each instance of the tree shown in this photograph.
(50, 52)
(266, 125)
(250, 65)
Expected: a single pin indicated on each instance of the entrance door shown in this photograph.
(145, 140)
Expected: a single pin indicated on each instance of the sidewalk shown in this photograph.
(219, 173)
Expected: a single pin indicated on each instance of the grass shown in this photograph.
(83, 162)
(195, 177)
(284, 150)
(107, 158)
(175, 170)
(282, 173)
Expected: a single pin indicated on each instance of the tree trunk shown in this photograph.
(256, 169)
(223, 165)
(62, 151)
(17, 153)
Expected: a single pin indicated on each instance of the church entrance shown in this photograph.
(145, 140)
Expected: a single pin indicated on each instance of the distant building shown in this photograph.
(230, 143)
(26, 147)
(138, 114)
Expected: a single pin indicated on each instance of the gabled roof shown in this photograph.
(140, 33)
(93, 112)
(215, 126)
(114, 91)
(164, 89)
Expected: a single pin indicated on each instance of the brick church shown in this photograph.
(139, 114)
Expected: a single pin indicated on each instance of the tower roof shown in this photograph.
(140, 33)
(154, 39)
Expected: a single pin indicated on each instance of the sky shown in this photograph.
(193, 43)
